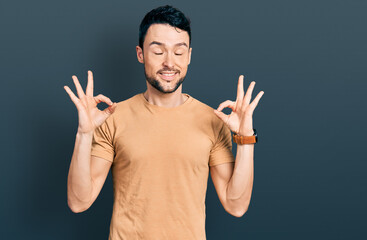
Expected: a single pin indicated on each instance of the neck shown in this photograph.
(168, 100)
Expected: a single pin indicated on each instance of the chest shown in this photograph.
(163, 143)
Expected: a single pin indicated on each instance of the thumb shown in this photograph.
(221, 115)
(109, 110)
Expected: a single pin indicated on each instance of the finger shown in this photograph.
(75, 100)
(254, 103)
(111, 109)
(230, 104)
(240, 93)
(248, 95)
(222, 116)
(89, 90)
(102, 98)
(78, 87)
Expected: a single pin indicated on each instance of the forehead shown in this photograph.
(166, 34)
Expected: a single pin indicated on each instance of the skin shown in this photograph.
(165, 49)
(234, 181)
(87, 173)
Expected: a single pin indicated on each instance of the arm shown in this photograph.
(233, 181)
(87, 174)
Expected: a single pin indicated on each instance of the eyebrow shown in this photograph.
(162, 44)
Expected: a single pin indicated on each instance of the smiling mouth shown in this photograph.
(168, 75)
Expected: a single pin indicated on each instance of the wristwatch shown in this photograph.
(245, 139)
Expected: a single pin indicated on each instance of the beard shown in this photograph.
(154, 82)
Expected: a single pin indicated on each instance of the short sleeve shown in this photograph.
(102, 144)
(222, 148)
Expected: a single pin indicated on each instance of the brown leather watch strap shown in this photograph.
(244, 139)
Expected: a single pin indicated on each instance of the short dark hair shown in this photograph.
(164, 15)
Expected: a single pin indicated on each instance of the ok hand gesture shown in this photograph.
(240, 119)
(90, 117)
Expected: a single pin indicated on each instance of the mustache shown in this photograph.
(168, 70)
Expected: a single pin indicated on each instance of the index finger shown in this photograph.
(78, 87)
(89, 90)
(240, 92)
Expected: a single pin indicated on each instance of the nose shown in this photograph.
(168, 61)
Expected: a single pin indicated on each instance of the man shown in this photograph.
(161, 144)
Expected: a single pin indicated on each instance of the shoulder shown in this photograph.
(128, 104)
(207, 114)
(123, 110)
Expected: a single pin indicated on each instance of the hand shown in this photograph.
(90, 117)
(240, 119)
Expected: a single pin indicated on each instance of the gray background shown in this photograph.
(309, 57)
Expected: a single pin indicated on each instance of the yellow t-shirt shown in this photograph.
(161, 158)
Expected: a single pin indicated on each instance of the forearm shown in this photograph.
(80, 184)
(239, 188)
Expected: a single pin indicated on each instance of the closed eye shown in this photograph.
(158, 53)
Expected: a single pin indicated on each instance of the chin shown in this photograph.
(170, 89)
(164, 86)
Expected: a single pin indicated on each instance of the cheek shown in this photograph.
(149, 65)
(182, 61)
(153, 63)
(184, 64)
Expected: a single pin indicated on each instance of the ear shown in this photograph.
(139, 54)
(190, 55)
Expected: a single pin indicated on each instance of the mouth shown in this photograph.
(167, 75)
